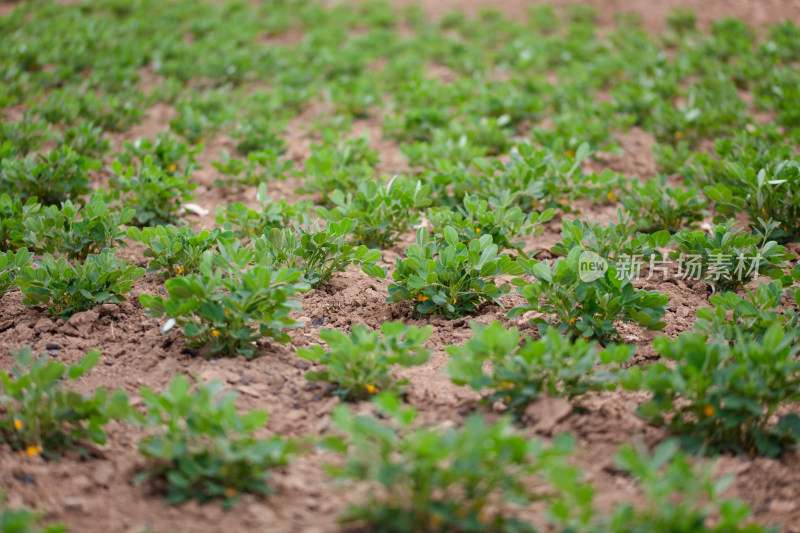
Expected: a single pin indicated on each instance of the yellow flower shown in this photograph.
(251, 230)
(534, 203)
(455, 300)
(506, 385)
(172, 167)
(563, 201)
(33, 450)
(227, 312)
(230, 492)
(708, 411)
(372, 389)
(477, 230)
(678, 135)
(422, 297)
(571, 320)
(214, 333)
(179, 270)
(611, 196)
(570, 153)
(17, 424)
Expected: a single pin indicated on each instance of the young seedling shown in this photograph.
(68, 288)
(157, 195)
(40, 415)
(500, 219)
(10, 265)
(360, 364)
(724, 397)
(382, 212)
(586, 306)
(520, 374)
(728, 258)
(203, 449)
(177, 251)
(435, 480)
(75, 231)
(229, 310)
(318, 253)
(251, 223)
(449, 277)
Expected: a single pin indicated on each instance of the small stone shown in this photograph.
(108, 309)
(302, 364)
(81, 482)
(546, 412)
(103, 474)
(52, 346)
(250, 391)
(317, 322)
(71, 503)
(213, 374)
(44, 325)
(782, 506)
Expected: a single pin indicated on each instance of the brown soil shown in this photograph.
(97, 495)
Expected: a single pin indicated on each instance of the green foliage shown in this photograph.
(203, 449)
(724, 397)
(23, 520)
(342, 166)
(39, 414)
(202, 114)
(586, 308)
(617, 242)
(76, 231)
(10, 264)
(259, 135)
(87, 140)
(249, 223)
(24, 135)
(728, 258)
(772, 193)
(157, 195)
(68, 288)
(177, 251)
(449, 277)
(500, 219)
(520, 374)
(359, 363)
(58, 175)
(656, 207)
(750, 316)
(317, 253)
(260, 167)
(13, 214)
(229, 311)
(167, 152)
(437, 480)
(677, 496)
(382, 213)
(535, 179)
